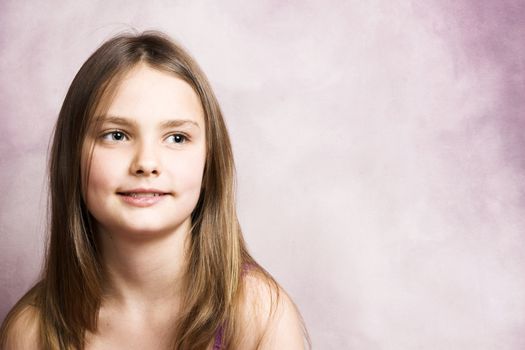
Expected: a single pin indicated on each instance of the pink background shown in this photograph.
(378, 146)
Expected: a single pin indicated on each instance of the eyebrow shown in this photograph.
(172, 123)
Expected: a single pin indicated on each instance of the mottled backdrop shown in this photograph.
(379, 148)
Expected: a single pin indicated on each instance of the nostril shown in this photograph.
(144, 169)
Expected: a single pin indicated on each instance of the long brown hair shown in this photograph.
(69, 293)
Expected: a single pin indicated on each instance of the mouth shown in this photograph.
(142, 197)
(143, 193)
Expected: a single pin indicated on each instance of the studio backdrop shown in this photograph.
(379, 148)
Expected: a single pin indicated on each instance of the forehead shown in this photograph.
(148, 94)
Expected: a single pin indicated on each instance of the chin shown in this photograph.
(154, 228)
(143, 223)
(144, 230)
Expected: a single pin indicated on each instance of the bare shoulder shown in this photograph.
(20, 330)
(268, 312)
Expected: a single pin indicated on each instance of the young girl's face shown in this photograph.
(148, 156)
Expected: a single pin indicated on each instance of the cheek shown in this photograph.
(103, 174)
(187, 172)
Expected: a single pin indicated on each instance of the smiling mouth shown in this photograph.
(142, 198)
(141, 194)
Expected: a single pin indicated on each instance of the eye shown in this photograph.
(177, 138)
(115, 135)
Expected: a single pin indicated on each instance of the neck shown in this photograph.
(147, 271)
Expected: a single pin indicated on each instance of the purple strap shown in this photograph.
(218, 339)
(220, 332)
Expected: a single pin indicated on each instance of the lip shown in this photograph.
(142, 202)
(143, 190)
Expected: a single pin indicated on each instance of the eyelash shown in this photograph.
(113, 132)
(184, 137)
(116, 131)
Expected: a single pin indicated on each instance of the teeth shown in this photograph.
(143, 194)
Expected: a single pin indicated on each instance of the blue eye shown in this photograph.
(114, 136)
(177, 138)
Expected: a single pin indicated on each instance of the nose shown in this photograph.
(145, 161)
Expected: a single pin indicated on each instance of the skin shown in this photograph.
(143, 249)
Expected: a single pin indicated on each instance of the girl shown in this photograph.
(145, 250)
